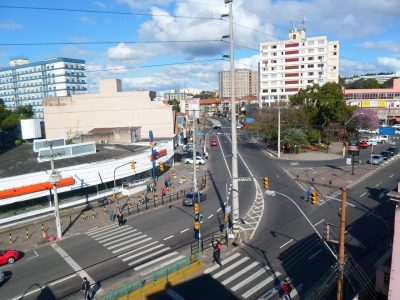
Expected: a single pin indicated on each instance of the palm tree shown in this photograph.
(294, 136)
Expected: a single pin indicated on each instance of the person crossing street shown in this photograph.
(217, 252)
(86, 288)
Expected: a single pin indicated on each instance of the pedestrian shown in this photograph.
(217, 252)
(163, 191)
(86, 288)
(120, 218)
(111, 214)
(287, 288)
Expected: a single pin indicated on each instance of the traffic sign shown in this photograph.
(249, 120)
(244, 179)
(387, 130)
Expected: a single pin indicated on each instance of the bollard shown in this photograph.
(93, 214)
(42, 227)
(117, 206)
(10, 239)
(70, 219)
(105, 210)
(83, 216)
(27, 233)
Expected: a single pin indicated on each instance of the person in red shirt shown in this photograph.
(286, 289)
(163, 191)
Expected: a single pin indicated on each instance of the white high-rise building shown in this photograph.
(288, 66)
(24, 83)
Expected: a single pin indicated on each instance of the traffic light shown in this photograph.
(196, 209)
(161, 167)
(266, 182)
(196, 225)
(133, 165)
(226, 218)
(314, 198)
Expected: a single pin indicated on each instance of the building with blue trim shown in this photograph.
(24, 83)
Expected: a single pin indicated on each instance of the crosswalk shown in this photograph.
(246, 278)
(134, 247)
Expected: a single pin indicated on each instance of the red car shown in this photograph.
(214, 143)
(363, 144)
(9, 256)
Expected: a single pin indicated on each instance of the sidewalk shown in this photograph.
(82, 219)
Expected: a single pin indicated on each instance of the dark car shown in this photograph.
(393, 150)
(191, 198)
(386, 154)
(217, 127)
(9, 256)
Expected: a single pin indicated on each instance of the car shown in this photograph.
(9, 256)
(189, 146)
(214, 143)
(372, 142)
(386, 154)
(376, 159)
(363, 144)
(393, 151)
(189, 154)
(199, 160)
(191, 198)
(396, 125)
(217, 127)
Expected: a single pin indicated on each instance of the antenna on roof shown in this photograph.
(303, 22)
(292, 28)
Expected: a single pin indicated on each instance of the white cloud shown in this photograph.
(100, 4)
(75, 51)
(87, 20)
(390, 63)
(391, 46)
(10, 25)
(353, 67)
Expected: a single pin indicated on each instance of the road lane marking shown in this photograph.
(131, 245)
(114, 236)
(168, 237)
(164, 264)
(120, 239)
(126, 242)
(153, 261)
(63, 279)
(363, 194)
(348, 229)
(74, 265)
(210, 216)
(319, 222)
(102, 234)
(378, 184)
(219, 209)
(137, 249)
(231, 267)
(288, 242)
(99, 229)
(184, 230)
(248, 279)
(213, 268)
(223, 155)
(145, 251)
(315, 254)
(260, 285)
(239, 273)
(28, 293)
(36, 255)
(391, 176)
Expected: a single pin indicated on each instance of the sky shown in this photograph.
(166, 44)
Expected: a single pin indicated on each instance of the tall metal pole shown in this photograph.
(279, 130)
(54, 179)
(196, 189)
(339, 294)
(235, 184)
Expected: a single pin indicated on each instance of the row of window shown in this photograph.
(40, 84)
(44, 76)
(305, 43)
(42, 68)
(373, 96)
(40, 91)
(302, 82)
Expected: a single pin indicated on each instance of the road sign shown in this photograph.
(244, 179)
(200, 133)
(387, 130)
(249, 120)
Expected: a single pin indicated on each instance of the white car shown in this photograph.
(199, 160)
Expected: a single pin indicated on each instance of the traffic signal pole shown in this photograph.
(341, 257)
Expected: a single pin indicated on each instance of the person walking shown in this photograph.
(111, 214)
(86, 288)
(163, 191)
(120, 218)
(287, 288)
(217, 252)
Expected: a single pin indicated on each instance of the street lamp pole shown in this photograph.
(55, 178)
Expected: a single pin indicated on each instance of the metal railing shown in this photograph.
(205, 242)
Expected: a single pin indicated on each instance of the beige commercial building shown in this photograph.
(112, 114)
(246, 83)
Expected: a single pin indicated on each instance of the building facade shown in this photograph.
(381, 78)
(290, 65)
(246, 83)
(24, 83)
(384, 102)
(108, 111)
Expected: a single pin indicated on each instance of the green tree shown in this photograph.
(389, 83)
(293, 138)
(362, 83)
(175, 104)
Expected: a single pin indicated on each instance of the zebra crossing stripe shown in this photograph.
(149, 256)
(164, 264)
(248, 279)
(126, 242)
(213, 268)
(143, 252)
(136, 249)
(116, 236)
(132, 245)
(231, 267)
(97, 229)
(102, 234)
(239, 273)
(260, 285)
(121, 239)
(154, 261)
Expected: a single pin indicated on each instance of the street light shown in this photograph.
(55, 178)
(357, 114)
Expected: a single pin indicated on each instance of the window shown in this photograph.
(310, 73)
(273, 90)
(310, 43)
(320, 65)
(311, 58)
(310, 50)
(334, 53)
(310, 81)
(310, 66)
(320, 57)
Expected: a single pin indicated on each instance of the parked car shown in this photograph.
(214, 143)
(372, 142)
(386, 154)
(191, 198)
(189, 154)
(217, 127)
(376, 159)
(393, 150)
(189, 146)
(363, 144)
(199, 160)
(9, 256)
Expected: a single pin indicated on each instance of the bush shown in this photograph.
(313, 136)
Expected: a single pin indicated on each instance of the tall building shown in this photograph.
(246, 83)
(288, 66)
(24, 83)
(381, 77)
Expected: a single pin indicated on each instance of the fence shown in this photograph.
(142, 281)
(205, 242)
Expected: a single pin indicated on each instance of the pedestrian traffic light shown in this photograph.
(266, 182)
(161, 167)
(226, 218)
(133, 165)
(196, 225)
(196, 208)
(314, 198)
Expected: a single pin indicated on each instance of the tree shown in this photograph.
(362, 83)
(293, 138)
(205, 95)
(175, 104)
(389, 83)
(363, 119)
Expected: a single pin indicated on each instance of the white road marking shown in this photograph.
(223, 155)
(164, 264)
(102, 234)
(168, 237)
(137, 249)
(153, 261)
(315, 254)
(378, 184)
(248, 279)
(219, 209)
(173, 294)
(184, 230)
(231, 267)
(36, 255)
(239, 273)
(126, 242)
(97, 229)
(73, 264)
(260, 285)
(213, 268)
(27, 294)
(63, 279)
(145, 251)
(288, 242)
(319, 222)
(391, 176)
(210, 216)
(131, 245)
(115, 236)
(120, 239)
(363, 194)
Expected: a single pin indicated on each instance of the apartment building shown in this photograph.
(246, 83)
(381, 77)
(290, 65)
(26, 83)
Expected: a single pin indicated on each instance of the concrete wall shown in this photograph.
(72, 116)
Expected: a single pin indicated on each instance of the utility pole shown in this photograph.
(235, 183)
(341, 246)
(55, 178)
(279, 129)
(196, 189)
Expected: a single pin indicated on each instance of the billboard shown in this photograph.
(353, 148)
